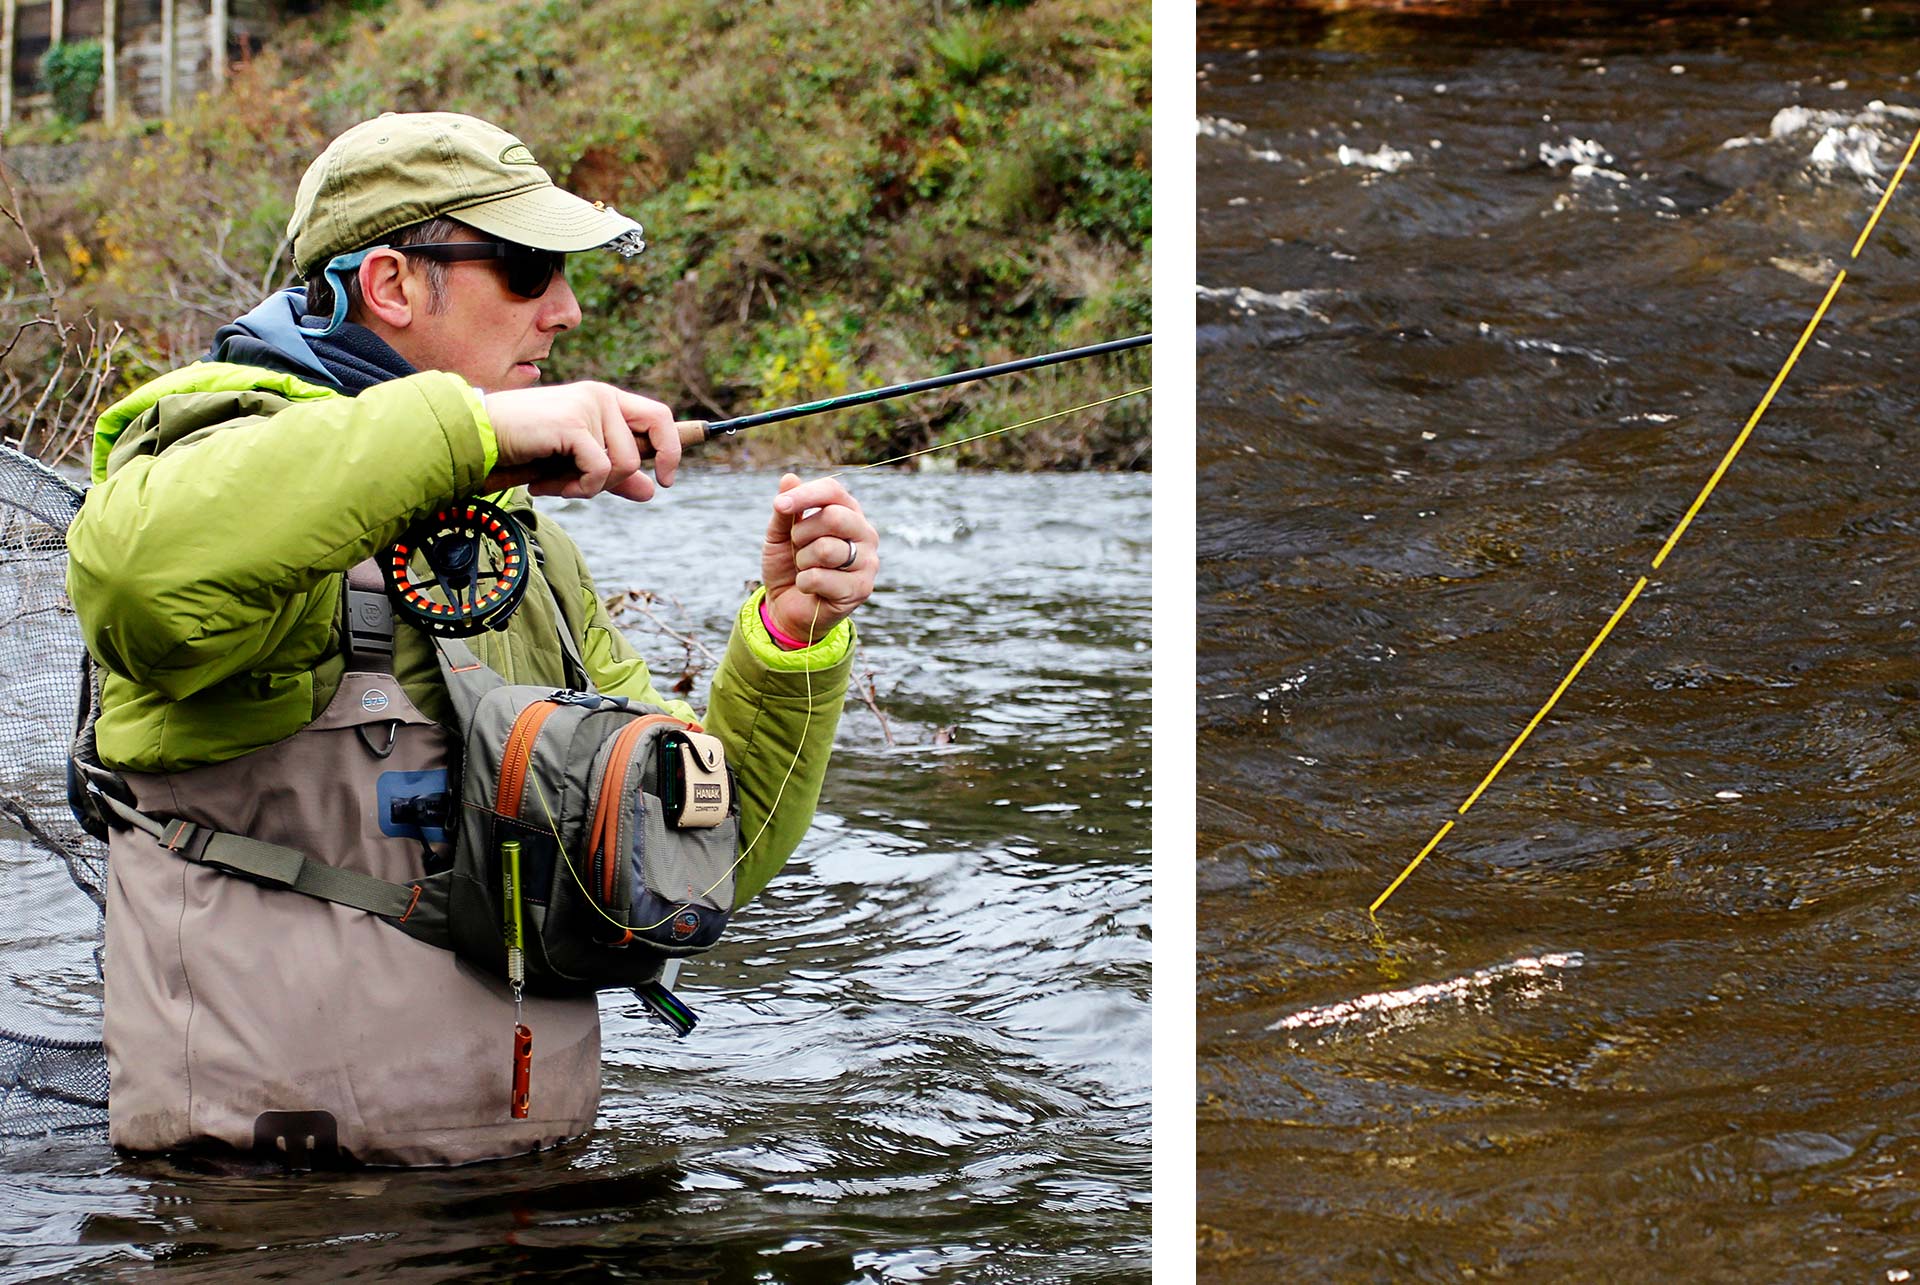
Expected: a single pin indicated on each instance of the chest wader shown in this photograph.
(240, 1014)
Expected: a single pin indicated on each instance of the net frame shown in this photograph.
(51, 1080)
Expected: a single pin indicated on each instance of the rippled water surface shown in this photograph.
(923, 1055)
(1485, 293)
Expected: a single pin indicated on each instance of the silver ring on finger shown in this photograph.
(853, 555)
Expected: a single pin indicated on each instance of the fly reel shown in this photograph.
(461, 571)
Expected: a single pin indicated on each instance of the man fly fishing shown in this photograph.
(367, 872)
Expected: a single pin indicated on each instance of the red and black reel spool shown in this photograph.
(460, 572)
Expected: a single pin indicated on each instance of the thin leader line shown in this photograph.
(928, 450)
(1886, 195)
(1727, 460)
(553, 823)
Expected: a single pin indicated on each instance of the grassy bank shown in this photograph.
(835, 195)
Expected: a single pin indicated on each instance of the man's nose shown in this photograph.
(559, 310)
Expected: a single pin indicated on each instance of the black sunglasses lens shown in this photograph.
(530, 272)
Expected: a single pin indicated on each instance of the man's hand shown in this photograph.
(816, 527)
(577, 440)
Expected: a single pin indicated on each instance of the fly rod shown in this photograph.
(695, 431)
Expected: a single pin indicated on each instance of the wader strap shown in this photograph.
(466, 678)
(579, 680)
(368, 626)
(271, 864)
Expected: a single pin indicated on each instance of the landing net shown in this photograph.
(53, 1071)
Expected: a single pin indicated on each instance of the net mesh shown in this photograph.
(53, 1071)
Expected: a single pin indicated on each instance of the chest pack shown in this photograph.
(596, 835)
(574, 842)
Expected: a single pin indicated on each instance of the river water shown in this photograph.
(1485, 293)
(924, 1053)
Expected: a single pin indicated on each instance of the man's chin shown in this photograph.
(523, 375)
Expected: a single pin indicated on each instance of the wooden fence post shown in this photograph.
(166, 57)
(217, 43)
(110, 56)
(7, 12)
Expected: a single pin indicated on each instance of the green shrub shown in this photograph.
(72, 72)
(968, 52)
(1022, 186)
(202, 242)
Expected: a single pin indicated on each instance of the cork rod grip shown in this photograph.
(692, 433)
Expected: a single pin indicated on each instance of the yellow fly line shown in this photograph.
(1725, 462)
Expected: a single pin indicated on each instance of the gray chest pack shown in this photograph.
(575, 842)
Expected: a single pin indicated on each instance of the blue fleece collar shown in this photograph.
(276, 323)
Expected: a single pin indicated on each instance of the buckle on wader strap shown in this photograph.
(262, 863)
(178, 837)
(297, 1139)
(366, 627)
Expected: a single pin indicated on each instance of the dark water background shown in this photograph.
(1485, 292)
(923, 1055)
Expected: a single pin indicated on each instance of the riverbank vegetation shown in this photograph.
(835, 195)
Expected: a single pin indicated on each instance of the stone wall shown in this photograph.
(44, 166)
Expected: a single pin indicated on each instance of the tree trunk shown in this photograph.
(166, 57)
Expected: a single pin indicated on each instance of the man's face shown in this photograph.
(486, 334)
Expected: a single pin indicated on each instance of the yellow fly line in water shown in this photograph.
(1692, 510)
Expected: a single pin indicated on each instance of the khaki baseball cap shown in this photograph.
(404, 168)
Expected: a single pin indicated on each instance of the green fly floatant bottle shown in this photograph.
(522, 1095)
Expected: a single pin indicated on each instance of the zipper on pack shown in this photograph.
(603, 842)
(604, 839)
(515, 759)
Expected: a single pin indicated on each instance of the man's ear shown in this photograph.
(384, 287)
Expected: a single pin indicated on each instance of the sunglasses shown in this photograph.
(529, 271)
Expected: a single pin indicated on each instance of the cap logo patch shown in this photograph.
(517, 154)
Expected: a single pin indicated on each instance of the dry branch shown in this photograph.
(68, 394)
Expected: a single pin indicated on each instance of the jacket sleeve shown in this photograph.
(776, 711)
(194, 564)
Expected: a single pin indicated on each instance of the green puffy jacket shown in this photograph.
(205, 567)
